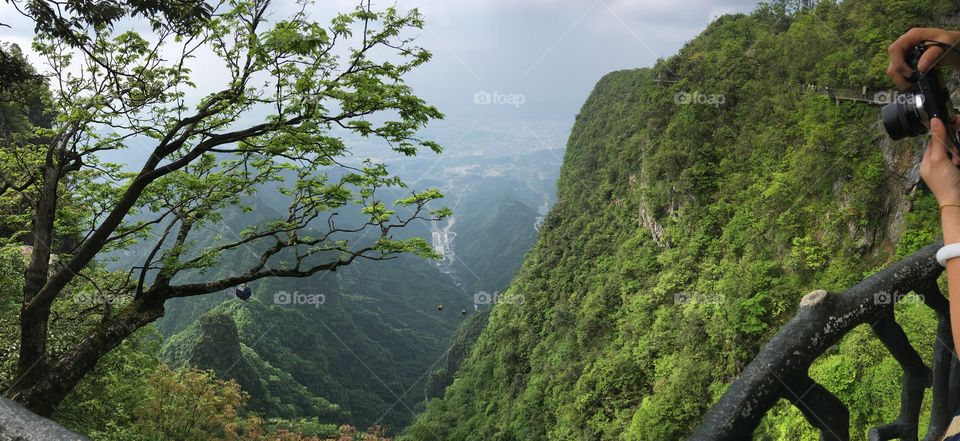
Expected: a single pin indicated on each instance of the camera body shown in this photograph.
(910, 113)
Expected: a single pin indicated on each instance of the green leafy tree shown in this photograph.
(293, 90)
(68, 20)
(190, 405)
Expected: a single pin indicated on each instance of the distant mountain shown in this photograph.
(213, 342)
(359, 357)
(494, 230)
(368, 353)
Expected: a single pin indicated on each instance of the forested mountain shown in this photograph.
(356, 350)
(366, 354)
(401, 290)
(697, 202)
(494, 231)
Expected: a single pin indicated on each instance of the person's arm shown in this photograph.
(943, 179)
(950, 219)
(937, 170)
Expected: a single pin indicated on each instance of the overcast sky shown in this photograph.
(550, 51)
(540, 58)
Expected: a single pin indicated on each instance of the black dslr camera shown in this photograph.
(909, 114)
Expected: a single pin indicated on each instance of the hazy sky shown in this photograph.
(538, 58)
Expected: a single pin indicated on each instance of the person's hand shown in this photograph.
(937, 170)
(899, 71)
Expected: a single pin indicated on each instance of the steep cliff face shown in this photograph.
(463, 339)
(691, 218)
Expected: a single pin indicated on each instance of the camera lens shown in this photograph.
(905, 116)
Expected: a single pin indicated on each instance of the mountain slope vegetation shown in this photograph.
(691, 218)
(359, 357)
(365, 355)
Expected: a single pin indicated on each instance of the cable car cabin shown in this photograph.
(243, 292)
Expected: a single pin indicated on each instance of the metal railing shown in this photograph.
(781, 369)
(876, 97)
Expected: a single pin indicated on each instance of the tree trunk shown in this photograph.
(45, 391)
(35, 315)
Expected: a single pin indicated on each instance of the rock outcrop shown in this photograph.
(19, 424)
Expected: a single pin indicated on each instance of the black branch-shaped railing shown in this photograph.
(781, 369)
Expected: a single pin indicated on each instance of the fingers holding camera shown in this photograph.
(934, 153)
(899, 71)
(933, 56)
(942, 56)
(940, 173)
(940, 142)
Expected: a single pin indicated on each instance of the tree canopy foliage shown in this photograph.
(291, 94)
